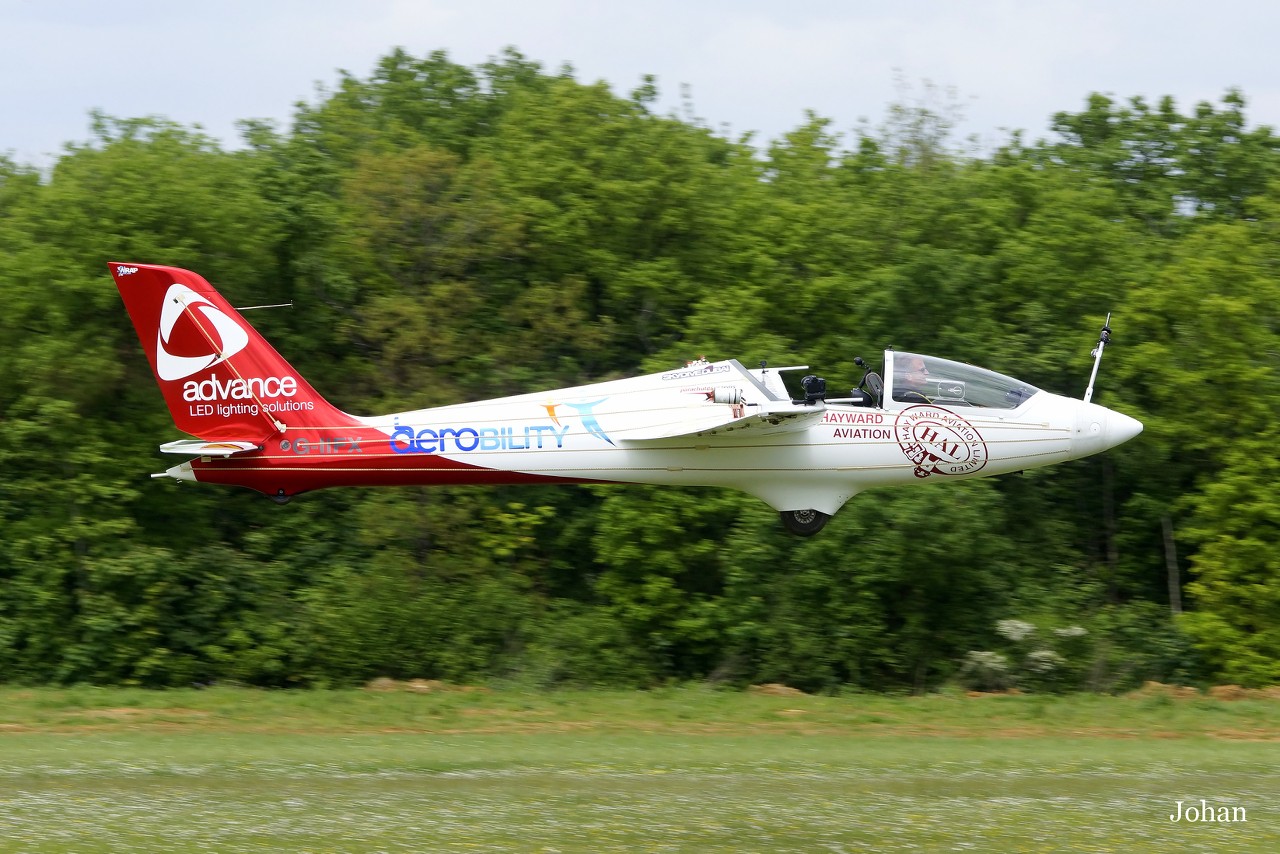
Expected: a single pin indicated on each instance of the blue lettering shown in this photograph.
(457, 438)
(402, 441)
(490, 439)
(405, 440)
(422, 446)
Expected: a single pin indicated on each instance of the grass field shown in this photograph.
(681, 769)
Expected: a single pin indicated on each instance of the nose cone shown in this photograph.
(1120, 428)
(1098, 428)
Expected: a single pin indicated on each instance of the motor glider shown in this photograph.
(258, 424)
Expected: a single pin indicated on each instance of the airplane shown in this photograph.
(259, 424)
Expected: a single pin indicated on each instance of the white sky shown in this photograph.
(750, 64)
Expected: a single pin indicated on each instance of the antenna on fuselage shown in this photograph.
(1103, 337)
(256, 307)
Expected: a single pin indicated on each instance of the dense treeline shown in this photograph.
(449, 233)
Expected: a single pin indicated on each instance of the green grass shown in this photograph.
(684, 769)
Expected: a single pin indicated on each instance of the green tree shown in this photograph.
(895, 589)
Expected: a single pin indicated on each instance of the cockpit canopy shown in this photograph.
(927, 379)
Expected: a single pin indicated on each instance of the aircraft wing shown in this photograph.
(754, 421)
(736, 402)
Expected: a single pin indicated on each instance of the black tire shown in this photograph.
(804, 523)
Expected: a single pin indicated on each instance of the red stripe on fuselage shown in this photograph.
(300, 463)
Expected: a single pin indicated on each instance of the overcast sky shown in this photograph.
(750, 65)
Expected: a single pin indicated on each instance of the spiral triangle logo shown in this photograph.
(222, 341)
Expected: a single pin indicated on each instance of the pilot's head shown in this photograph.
(914, 373)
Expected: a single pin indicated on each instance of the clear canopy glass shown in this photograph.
(928, 379)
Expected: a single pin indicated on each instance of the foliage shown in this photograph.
(448, 233)
(1118, 648)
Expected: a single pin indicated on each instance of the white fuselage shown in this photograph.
(664, 429)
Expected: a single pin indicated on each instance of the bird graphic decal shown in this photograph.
(589, 421)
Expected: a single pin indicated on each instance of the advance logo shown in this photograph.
(184, 348)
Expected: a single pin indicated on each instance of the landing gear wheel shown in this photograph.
(804, 523)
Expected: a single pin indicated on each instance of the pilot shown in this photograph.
(911, 380)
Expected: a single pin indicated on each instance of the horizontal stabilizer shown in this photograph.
(201, 448)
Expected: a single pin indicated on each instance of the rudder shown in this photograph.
(220, 378)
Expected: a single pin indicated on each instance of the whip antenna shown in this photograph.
(255, 307)
(1103, 338)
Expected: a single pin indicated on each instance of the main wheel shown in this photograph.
(804, 523)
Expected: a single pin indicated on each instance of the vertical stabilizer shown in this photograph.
(221, 379)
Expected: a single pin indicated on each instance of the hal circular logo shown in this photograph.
(937, 441)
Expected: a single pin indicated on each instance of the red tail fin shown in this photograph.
(221, 379)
